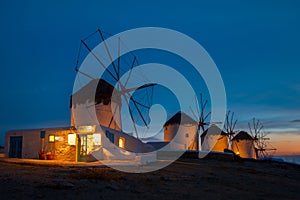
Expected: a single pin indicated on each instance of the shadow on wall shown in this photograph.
(2, 137)
(1, 149)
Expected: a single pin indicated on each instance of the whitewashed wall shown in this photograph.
(183, 135)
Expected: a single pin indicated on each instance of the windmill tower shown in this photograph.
(243, 145)
(263, 148)
(214, 139)
(181, 130)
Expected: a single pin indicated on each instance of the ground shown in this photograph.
(184, 179)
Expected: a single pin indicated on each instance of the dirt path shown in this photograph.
(185, 179)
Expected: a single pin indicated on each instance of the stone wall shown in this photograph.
(60, 148)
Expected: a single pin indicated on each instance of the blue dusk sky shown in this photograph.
(255, 45)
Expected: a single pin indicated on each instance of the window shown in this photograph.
(97, 139)
(72, 139)
(42, 134)
(51, 138)
(110, 136)
(122, 142)
(186, 135)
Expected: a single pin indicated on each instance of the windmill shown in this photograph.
(260, 139)
(230, 124)
(201, 117)
(114, 73)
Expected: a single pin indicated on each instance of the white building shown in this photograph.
(84, 140)
(214, 139)
(243, 145)
(182, 130)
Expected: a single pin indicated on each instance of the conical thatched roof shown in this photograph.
(242, 135)
(180, 118)
(103, 93)
(213, 129)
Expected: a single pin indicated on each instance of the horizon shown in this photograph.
(254, 45)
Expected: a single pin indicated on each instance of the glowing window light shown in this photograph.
(122, 142)
(72, 139)
(51, 138)
(97, 139)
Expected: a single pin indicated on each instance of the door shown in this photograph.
(15, 147)
(82, 143)
(85, 146)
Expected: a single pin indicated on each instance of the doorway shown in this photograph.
(85, 146)
(15, 147)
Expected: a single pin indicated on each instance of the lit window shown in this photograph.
(51, 138)
(72, 139)
(97, 139)
(121, 142)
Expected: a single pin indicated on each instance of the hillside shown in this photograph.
(184, 179)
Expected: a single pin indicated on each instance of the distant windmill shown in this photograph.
(230, 124)
(263, 148)
(201, 117)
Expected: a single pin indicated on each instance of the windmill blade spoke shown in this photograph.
(226, 126)
(261, 127)
(231, 120)
(119, 49)
(202, 127)
(202, 112)
(254, 126)
(140, 103)
(127, 90)
(257, 125)
(193, 113)
(131, 115)
(78, 56)
(206, 116)
(234, 124)
(204, 105)
(85, 74)
(250, 128)
(112, 117)
(140, 113)
(220, 138)
(197, 105)
(108, 52)
(201, 100)
(132, 65)
(99, 61)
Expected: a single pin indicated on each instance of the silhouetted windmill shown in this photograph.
(260, 139)
(114, 72)
(201, 117)
(230, 124)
